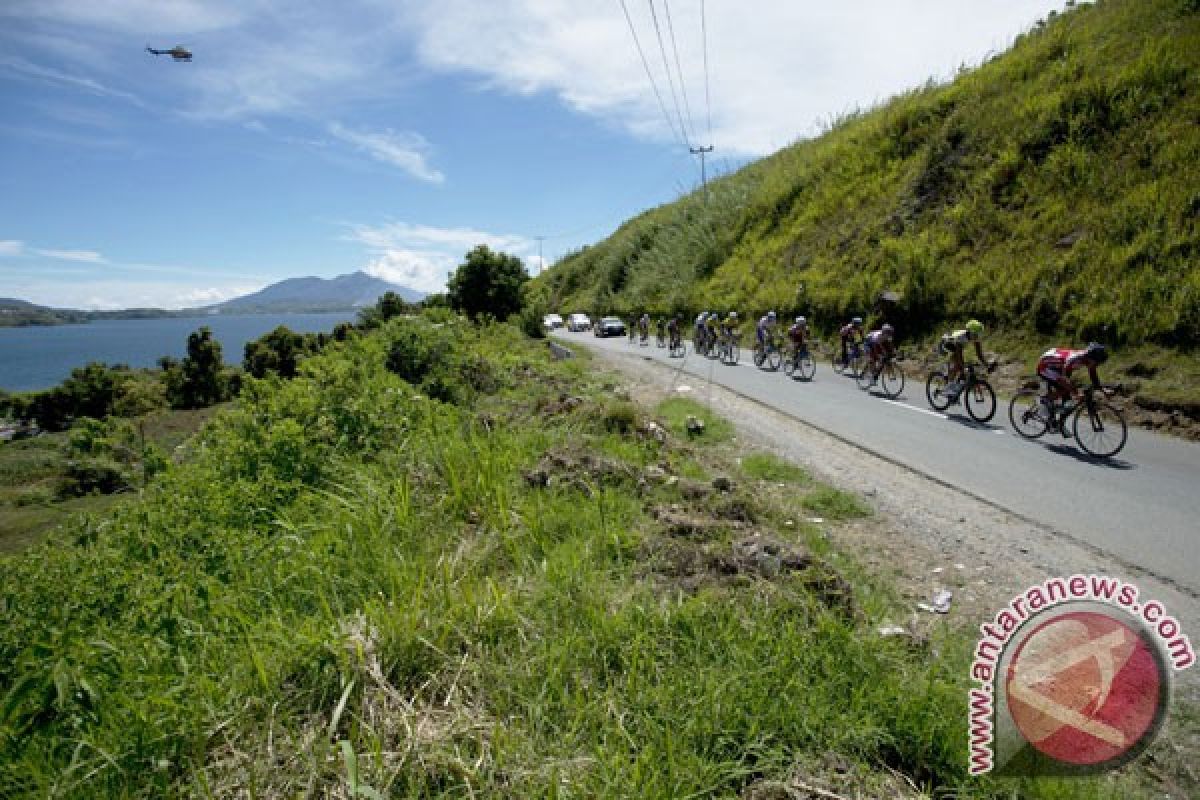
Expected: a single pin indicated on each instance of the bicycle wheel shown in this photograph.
(891, 378)
(836, 364)
(935, 390)
(856, 366)
(980, 401)
(865, 377)
(789, 363)
(1100, 429)
(773, 359)
(806, 368)
(759, 355)
(1025, 414)
(734, 354)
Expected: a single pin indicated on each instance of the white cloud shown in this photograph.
(87, 256)
(132, 16)
(50, 75)
(421, 256)
(106, 294)
(11, 247)
(405, 150)
(776, 69)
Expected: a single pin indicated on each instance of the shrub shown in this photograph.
(620, 417)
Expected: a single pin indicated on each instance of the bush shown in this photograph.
(620, 418)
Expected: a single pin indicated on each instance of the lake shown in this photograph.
(39, 357)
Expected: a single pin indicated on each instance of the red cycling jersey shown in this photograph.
(1059, 361)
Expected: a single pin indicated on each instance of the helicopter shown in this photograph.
(178, 52)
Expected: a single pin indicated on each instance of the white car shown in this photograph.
(578, 322)
(552, 321)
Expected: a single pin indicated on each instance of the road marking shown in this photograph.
(914, 408)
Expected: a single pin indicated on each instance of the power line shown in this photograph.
(704, 38)
(653, 85)
(667, 68)
(687, 107)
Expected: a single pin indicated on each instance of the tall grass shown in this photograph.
(354, 590)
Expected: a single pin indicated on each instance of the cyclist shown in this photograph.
(765, 328)
(644, 326)
(880, 344)
(712, 327)
(660, 328)
(798, 334)
(729, 325)
(698, 334)
(1055, 368)
(673, 330)
(953, 344)
(850, 333)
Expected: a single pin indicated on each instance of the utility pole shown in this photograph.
(541, 264)
(700, 151)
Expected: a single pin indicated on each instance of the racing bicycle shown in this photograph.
(977, 394)
(798, 363)
(1097, 425)
(889, 377)
(853, 363)
(728, 348)
(768, 355)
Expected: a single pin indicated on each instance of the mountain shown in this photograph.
(355, 290)
(18, 313)
(1052, 192)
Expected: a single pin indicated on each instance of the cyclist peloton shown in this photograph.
(850, 333)
(954, 344)
(1055, 367)
(880, 344)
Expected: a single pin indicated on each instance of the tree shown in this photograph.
(279, 351)
(487, 283)
(200, 383)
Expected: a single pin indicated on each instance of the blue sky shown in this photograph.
(319, 138)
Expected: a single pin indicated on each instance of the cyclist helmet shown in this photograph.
(770, 315)
(975, 329)
(733, 315)
(888, 330)
(856, 322)
(1097, 352)
(801, 321)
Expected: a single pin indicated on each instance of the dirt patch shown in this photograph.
(832, 776)
(583, 471)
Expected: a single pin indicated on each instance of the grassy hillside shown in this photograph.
(1054, 192)
(362, 586)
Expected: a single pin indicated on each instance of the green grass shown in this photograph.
(769, 467)
(832, 503)
(1051, 193)
(32, 469)
(354, 588)
(676, 410)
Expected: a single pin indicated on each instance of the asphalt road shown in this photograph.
(1142, 507)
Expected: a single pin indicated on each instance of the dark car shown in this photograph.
(610, 326)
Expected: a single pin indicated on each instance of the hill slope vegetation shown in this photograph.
(1053, 192)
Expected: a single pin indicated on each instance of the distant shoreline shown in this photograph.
(46, 317)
